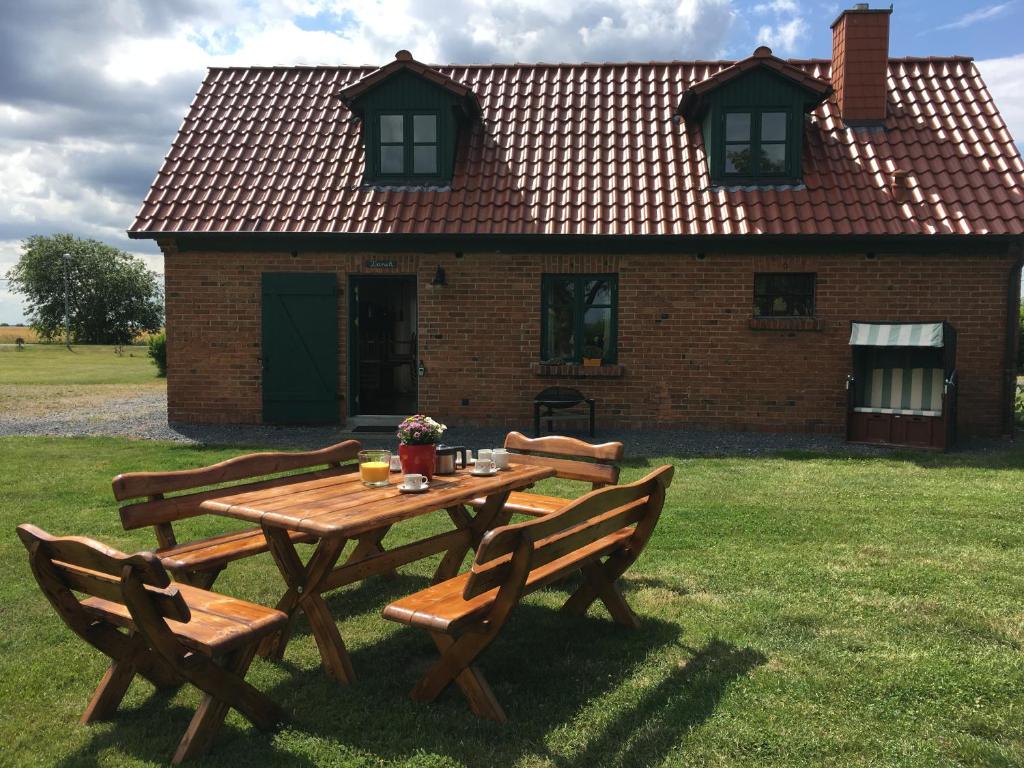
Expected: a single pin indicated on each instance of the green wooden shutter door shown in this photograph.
(300, 348)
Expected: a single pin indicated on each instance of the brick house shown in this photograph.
(687, 242)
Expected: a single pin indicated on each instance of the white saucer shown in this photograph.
(402, 488)
(492, 473)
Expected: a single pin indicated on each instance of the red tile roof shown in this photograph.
(585, 149)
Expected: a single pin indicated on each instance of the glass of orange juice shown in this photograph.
(374, 467)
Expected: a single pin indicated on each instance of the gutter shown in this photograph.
(1013, 298)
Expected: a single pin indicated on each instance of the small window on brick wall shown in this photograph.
(579, 318)
(784, 294)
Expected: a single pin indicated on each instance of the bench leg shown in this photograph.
(600, 584)
(129, 656)
(109, 693)
(455, 665)
(224, 688)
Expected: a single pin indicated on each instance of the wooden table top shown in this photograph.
(338, 504)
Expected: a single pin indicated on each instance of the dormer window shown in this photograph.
(751, 117)
(412, 118)
(756, 143)
(408, 144)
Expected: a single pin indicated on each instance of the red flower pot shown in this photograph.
(418, 459)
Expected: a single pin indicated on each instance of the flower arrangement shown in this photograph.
(420, 430)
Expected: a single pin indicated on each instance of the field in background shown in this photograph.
(46, 379)
(9, 334)
(51, 364)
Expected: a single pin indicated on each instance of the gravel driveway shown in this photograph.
(144, 416)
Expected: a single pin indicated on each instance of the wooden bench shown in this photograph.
(601, 534)
(168, 634)
(198, 562)
(568, 457)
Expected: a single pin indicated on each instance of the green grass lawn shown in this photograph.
(802, 610)
(53, 364)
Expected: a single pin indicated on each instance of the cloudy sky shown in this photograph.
(92, 91)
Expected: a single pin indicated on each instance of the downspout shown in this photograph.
(1012, 329)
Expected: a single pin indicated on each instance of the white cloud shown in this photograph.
(92, 93)
(974, 17)
(1004, 78)
(782, 37)
(777, 6)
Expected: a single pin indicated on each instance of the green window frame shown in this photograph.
(785, 294)
(757, 143)
(408, 144)
(579, 317)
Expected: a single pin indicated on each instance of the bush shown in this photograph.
(158, 352)
(1020, 342)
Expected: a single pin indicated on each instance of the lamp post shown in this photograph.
(67, 302)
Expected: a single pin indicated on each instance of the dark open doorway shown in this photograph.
(382, 344)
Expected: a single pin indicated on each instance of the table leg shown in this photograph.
(368, 545)
(303, 592)
(489, 516)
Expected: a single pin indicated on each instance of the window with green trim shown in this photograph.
(407, 144)
(756, 143)
(579, 318)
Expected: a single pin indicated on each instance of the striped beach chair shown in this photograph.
(903, 391)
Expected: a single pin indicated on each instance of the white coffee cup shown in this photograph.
(484, 453)
(501, 458)
(484, 466)
(414, 482)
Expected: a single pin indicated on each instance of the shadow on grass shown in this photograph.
(553, 673)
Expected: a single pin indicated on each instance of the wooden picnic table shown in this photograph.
(335, 508)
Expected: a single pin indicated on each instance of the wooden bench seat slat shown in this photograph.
(202, 554)
(489, 575)
(442, 607)
(218, 623)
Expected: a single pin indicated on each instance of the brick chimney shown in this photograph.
(860, 63)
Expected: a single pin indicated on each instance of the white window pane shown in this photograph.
(424, 159)
(773, 158)
(391, 159)
(424, 129)
(737, 126)
(773, 126)
(391, 128)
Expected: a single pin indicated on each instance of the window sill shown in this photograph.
(787, 324)
(577, 371)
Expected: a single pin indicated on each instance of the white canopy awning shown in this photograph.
(896, 335)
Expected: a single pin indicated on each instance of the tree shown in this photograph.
(113, 296)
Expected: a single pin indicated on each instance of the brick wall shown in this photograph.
(687, 352)
(860, 64)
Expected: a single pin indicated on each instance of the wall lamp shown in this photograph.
(439, 277)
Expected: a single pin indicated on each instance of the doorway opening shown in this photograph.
(383, 345)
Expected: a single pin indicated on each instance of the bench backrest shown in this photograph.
(159, 511)
(67, 565)
(571, 459)
(523, 547)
